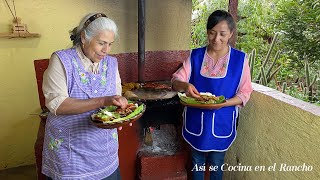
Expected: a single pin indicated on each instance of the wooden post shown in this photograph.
(233, 10)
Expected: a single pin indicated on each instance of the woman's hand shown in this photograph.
(116, 100)
(186, 87)
(77, 106)
(191, 91)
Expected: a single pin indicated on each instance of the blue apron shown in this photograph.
(213, 130)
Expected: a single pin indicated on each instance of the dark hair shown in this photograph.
(75, 36)
(218, 16)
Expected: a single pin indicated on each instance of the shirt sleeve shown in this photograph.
(184, 72)
(245, 88)
(54, 85)
(118, 83)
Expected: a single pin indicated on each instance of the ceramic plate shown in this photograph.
(203, 106)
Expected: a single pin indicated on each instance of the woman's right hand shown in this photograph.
(116, 100)
(191, 91)
(186, 87)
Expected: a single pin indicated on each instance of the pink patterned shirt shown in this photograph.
(211, 69)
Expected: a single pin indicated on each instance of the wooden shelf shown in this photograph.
(19, 35)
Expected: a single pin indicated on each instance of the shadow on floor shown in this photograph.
(19, 173)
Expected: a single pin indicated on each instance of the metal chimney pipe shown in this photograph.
(141, 40)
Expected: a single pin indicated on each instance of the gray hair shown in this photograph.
(101, 23)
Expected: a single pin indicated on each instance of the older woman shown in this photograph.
(220, 70)
(77, 82)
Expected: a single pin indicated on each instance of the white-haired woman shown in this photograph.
(77, 82)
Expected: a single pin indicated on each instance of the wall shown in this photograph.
(167, 28)
(276, 128)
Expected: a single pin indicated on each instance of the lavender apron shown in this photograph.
(73, 147)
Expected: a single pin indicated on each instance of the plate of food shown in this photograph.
(110, 117)
(207, 101)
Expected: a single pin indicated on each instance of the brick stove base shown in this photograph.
(165, 158)
(160, 167)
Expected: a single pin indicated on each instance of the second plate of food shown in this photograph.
(207, 101)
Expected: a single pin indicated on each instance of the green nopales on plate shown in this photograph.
(111, 114)
(137, 111)
(190, 100)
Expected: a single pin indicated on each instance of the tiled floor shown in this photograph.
(19, 173)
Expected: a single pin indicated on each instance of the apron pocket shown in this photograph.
(57, 145)
(193, 121)
(223, 122)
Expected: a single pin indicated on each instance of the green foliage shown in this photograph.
(284, 86)
(264, 77)
(299, 21)
(252, 57)
(298, 24)
(309, 83)
(253, 28)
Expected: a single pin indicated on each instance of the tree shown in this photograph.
(233, 10)
(299, 22)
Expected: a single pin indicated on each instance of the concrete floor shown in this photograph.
(19, 173)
